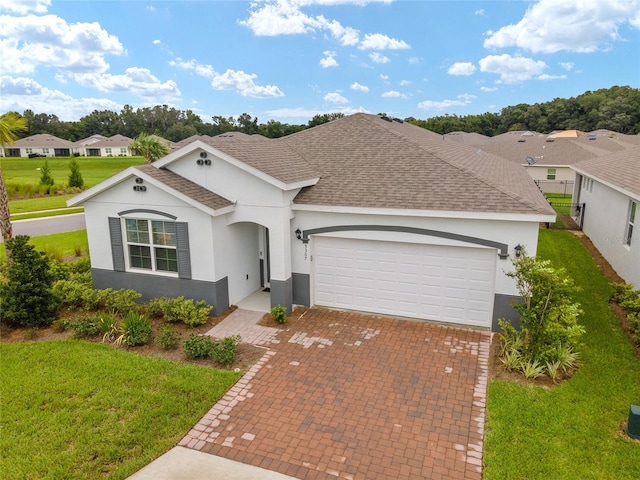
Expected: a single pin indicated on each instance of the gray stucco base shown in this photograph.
(503, 308)
(282, 293)
(301, 289)
(154, 286)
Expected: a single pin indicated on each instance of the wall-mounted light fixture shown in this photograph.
(139, 180)
(298, 234)
(518, 249)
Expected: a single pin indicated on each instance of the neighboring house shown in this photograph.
(81, 146)
(40, 145)
(609, 186)
(116, 146)
(548, 160)
(362, 213)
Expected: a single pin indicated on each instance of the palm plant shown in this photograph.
(150, 147)
(11, 124)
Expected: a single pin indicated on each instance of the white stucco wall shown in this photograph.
(563, 182)
(510, 232)
(605, 223)
(121, 197)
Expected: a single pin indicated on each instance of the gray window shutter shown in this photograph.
(182, 246)
(117, 248)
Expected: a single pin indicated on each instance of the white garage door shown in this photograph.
(433, 282)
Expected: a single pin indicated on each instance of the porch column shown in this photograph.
(280, 257)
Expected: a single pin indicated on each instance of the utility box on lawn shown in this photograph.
(633, 427)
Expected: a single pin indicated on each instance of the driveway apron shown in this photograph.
(353, 396)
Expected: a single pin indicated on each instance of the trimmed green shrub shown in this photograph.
(279, 313)
(198, 346)
(179, 309)
(46, 179)
(167, 337)
(120, 301)
(86, 326)
(225, 351)
(27, 298)
(629, 299)
(72, 294)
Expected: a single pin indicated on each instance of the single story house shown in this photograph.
(363, 213)
(609, 186)
(115, 146)
(548, 159)
(40, 145)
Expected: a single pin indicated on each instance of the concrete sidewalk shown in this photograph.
(182, 463)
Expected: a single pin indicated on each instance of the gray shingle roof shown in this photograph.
(186, 187)
(42, 140)
(621, 169)
(368, 162)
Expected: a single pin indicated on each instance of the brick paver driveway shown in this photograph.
(344, 395)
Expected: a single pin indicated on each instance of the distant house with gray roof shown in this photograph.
(609, 187)
(40, 145)
(363, 213)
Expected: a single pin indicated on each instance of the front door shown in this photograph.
(265, 258)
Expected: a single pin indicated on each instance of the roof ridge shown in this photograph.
(462, 168)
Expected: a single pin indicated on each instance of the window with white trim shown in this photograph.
(633, 206)
(551, 173)
(151, 245)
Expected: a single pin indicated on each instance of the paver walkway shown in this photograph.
(351, 396)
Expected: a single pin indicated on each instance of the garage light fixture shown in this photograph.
(518, 249)
(298, 234)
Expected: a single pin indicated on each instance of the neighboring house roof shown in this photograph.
(368, 162)
(515, 134)
(620, 170)
(114, 142)
(467, 138)
(90, 140)
(42, 140)
(566, 134)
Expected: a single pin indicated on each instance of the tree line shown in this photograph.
(616, 108)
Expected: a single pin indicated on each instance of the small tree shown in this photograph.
(46, 179)
(27, 298)
(75, 177)
(548, 314)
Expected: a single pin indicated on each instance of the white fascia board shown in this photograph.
(200, 145)
(515, 217)
(612, 186)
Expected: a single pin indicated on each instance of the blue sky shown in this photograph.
(289, 60)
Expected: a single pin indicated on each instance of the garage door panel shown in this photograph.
(437, 282)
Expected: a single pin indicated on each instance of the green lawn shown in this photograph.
(38, 204)
(574, 430)
(75, 409)
(93, 169)
(59, 245)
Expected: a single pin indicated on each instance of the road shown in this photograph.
(48, 225)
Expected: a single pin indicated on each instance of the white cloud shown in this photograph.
(379, 41)
(551, 77)
(404, 83)
(378, 58)
(549, 26)
(480, 12)
(20, 93)
(206, 71)
(568, 66)
(462, 68)
(22, 7)
(329, 59)
(137, 81)
(393, 94)
(512, 69)
(335, 97)
(414, 60)
(463, 100)
(360, 88)
(488, 89)
(32, 41)
(243, 83)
